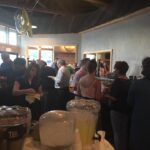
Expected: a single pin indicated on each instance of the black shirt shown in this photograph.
(119, 90)
(24, 84)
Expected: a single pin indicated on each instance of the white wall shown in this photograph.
(50, 39)
(129, 39)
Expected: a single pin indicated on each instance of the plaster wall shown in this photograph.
(129, 39)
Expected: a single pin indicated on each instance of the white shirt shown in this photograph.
(62, 78)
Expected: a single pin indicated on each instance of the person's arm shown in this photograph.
(59, 76)
(110, 97)
(78, 89)
(114, 90)
(98, 93)
(131, 93)
(52, 77)
(75, 82)
(40, 91)
(17, 91)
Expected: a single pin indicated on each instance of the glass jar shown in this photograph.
(86, 115)
(14, 126)
(56, 130)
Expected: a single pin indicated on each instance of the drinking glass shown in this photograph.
(86, 115)
(14, 126)
(56, 130)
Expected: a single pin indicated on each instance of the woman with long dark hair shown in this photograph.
(26, 87)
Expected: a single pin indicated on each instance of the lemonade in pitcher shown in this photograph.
(86, 124)
(86, 114)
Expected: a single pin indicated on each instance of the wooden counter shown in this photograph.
(31, 145)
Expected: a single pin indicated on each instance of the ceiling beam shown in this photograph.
(97, 2)
(47, 11)
(42, 5)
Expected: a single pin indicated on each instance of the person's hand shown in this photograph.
(105, 90)
(52, 77)
(30, 91)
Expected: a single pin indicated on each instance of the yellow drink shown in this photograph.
(85, 113)
(86, 124)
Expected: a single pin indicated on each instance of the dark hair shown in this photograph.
(91, 66)
(47, 71)
(146, 67)
(84, 61)
(101, 65)
(61, 62)
(122, 67)
(116, 64)
(19, 61)
(32, 65)
(5, 55)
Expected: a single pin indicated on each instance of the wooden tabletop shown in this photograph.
(31, 144)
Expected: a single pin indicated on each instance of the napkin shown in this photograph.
(30, 98)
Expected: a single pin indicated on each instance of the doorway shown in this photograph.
(49, 53)
(101, 55)
(68, 53)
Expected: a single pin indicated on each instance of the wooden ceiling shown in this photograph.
(68, 16)
(59, 7)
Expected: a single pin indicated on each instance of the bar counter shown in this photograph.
(31, 144)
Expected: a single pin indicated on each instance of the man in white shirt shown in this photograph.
(62, 95)
(63, 76)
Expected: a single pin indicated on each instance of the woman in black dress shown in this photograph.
(139, 99)
(28, 85)
(119, 108)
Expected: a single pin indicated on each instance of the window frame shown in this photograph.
(13, 31)
(50, 50)
(33, 50)
(4, 28)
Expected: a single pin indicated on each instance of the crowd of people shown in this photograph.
(43, 88)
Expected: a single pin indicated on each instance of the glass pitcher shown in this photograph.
(86, 115)
(56, 130)
(14, 126)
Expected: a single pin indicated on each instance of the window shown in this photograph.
(1, 61)
(8, 35)
(3, 34)
(101, 55)
(12, 37)
(47, 56)
(13, 56)
(91, 56)
(33, 54)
